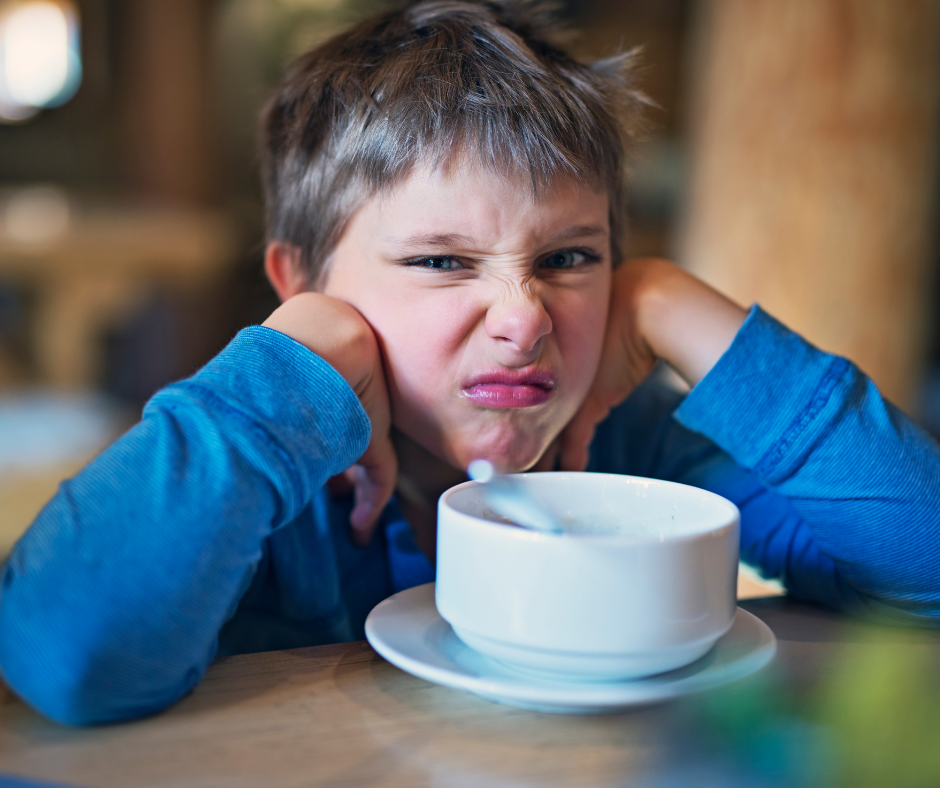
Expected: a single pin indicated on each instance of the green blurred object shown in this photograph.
(882, 704)
(871, 721)
(755, 730)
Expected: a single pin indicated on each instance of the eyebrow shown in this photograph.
(440, 240)
(581, 231)
(451, 240)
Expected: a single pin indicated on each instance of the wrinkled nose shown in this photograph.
(518, 318)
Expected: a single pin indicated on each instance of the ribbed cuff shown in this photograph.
(760, 398)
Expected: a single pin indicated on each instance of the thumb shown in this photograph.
(374, 479)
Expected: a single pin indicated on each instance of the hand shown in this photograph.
(626, 359)
(336, 332)
(657, 310)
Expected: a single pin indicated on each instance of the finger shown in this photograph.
(575, 446)
(376, 471)
(575, 440)
(374, 479)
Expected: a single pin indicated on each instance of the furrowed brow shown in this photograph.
(446, 241)
(433, 240)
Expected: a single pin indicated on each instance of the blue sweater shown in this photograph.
(206, 529)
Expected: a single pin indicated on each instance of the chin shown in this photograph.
(511, 453)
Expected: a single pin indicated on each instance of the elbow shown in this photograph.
(67, 702)
(80, 699)
(75, 686)
(76, 662)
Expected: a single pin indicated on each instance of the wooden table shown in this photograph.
(342, 716)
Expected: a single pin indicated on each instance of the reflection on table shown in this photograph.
(843, 704)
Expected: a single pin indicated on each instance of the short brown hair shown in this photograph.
(428, 81)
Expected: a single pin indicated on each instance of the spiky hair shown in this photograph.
(430, 81)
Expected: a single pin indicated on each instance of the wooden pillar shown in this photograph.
(168, 101)
(814, 131)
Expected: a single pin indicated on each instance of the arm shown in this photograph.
(641, 438)
(861, 479)
(111, 604)
(837, 488)
(112, 601)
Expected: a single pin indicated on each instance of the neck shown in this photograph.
(422, 478)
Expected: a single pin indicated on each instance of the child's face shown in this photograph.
(490, 307)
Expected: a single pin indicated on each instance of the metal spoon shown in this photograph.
(510, 499)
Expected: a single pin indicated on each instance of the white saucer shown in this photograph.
(408, 631)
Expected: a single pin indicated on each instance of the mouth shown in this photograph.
(510, 389)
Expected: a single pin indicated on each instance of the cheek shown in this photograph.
(422, 336)
(580, 322)
(419, 328)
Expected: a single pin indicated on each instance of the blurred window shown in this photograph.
(40, 56)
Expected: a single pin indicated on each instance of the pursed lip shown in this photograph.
(510, 388)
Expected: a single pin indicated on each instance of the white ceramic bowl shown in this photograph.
(652, 593)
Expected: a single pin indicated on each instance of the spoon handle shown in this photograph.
(511, 500)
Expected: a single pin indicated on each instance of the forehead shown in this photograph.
(471, 203)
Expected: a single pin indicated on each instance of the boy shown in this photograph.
(445, 213)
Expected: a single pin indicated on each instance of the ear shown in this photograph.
(285, 272)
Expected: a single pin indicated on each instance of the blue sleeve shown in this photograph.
(839, 490)
(111, 603)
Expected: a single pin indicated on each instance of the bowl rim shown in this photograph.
(732, 518)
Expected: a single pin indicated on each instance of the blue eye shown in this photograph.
(435, 263)
(568, 258)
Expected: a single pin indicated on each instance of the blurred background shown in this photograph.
(791, 161)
